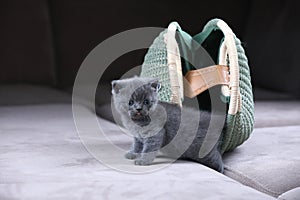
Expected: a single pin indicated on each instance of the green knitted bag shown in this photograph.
(163, 61)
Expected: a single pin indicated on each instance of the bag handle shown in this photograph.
(228, 50)
(197, 81)
(174, 64)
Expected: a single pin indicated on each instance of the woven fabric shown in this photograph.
(156, 65)
(240, 125)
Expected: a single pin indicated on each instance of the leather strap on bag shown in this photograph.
(197, 81)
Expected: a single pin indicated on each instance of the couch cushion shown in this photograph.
(277, 113)
(293, 194)
(42, 157)
(269, 161)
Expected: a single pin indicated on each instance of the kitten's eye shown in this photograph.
(146, 102)
(130, 103)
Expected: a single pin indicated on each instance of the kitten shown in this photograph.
(157, 125)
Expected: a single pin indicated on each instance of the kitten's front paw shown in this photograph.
(131, 156)
(142, 162)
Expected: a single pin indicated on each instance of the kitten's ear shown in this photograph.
(156, 85)
(116, 86)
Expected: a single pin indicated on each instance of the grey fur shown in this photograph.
(156, 125)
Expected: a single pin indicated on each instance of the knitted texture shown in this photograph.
(240, 125)
(156, 65)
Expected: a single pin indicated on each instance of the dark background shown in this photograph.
(44, 42)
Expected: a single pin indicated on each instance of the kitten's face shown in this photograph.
(135, 96)
(142, 101)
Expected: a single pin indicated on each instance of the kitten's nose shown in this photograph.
(138, 109)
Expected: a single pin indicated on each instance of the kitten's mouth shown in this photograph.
(140, 118)
(137, 115)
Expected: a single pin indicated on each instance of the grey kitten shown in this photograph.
(177, 131)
